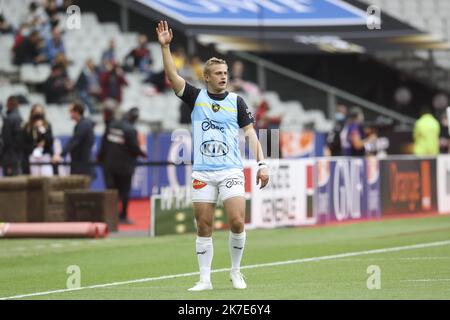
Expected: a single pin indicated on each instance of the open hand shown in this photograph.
(165, 34)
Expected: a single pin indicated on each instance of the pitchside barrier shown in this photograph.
(312, 191)
(164, 147)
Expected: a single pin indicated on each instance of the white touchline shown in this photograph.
(425, 280)
(254, 266)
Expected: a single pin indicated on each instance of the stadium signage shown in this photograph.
(372, 206)
(260, 12)
(283, 201)
(406, 186)
(347, 186)
(346, 189)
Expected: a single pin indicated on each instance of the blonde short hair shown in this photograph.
(212, 61)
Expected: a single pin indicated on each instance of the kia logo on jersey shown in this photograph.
(213, 148)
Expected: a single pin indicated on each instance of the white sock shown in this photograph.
(236, 245)
(205, 251)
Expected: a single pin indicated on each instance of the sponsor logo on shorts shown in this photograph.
(213, 148)
(213, 125)
(197, 184)
(234, 182)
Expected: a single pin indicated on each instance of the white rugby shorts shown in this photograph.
(207, 186)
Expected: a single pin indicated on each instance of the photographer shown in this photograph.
(37, 138)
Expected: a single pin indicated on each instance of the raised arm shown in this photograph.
(165, 36)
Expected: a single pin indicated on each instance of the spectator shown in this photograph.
(80, 145)
(120, 152)
(61, 60)
(266, 122)
(334, 137)
(22, 33)
(444, 138)
(58, 85)
(194, 71)
(179, 58)
(237, 75)
(159, 81)
(88, 85)
(11, 157)
(112, 82)
(426, 134)
(37, 138)
(194, 75)
(108, 111)
(39, 20)
(262, 118)
(5, 27)
(54, 45)
(140, 56)
(109, 55)
(238, 83)
(372, 145)
(51, 7)
(36, 15)
(352, 135)
(29, 49)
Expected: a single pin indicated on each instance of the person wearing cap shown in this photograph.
(119, 152)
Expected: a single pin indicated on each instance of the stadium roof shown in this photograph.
(287, 25)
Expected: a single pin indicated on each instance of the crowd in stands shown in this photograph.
(38, 40)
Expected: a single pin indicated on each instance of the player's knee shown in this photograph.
(237, 225)
(204, 228)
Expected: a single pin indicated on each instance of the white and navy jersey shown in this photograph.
(216, 119)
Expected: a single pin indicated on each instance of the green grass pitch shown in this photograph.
(36, 266)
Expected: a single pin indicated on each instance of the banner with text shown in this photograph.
(408, 186)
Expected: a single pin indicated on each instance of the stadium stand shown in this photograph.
(429, 16)
(27, 78)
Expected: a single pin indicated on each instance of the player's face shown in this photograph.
(217, 78)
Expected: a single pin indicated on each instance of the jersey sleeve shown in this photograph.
(244, 116)
(189, 95)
